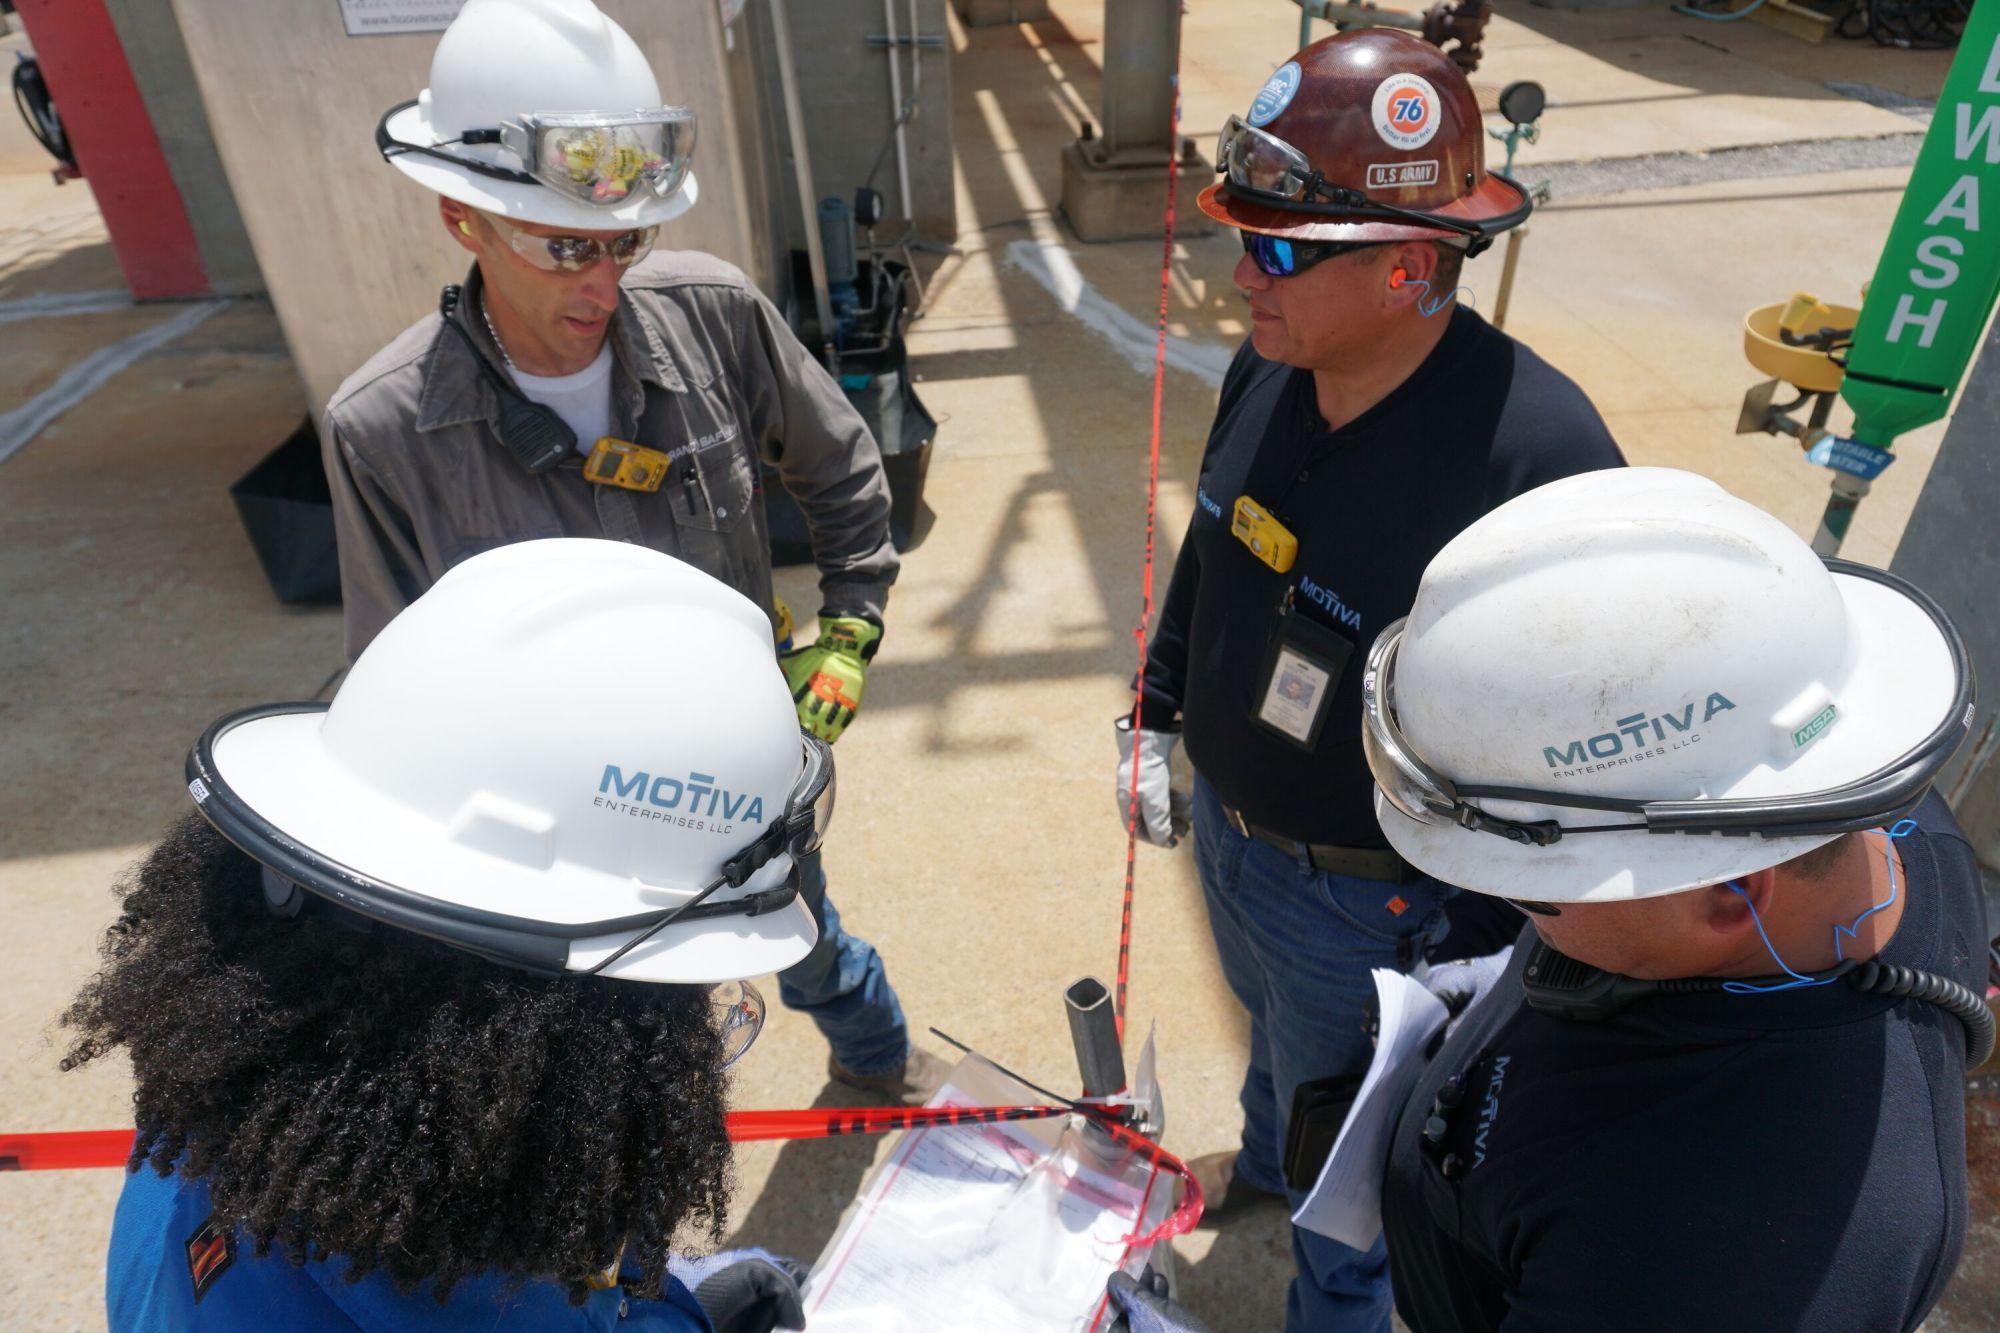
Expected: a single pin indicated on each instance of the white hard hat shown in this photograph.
(544, 756)
(504, 64)
(1642, 685)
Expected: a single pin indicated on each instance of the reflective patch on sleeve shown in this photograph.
(210, 1252)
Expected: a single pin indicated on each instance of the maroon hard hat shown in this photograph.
(1367, 135)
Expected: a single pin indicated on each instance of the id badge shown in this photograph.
(1302, 671)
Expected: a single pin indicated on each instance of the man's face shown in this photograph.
(562, 316)
(1331, 315)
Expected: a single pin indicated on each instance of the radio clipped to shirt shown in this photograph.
(1268, 539)
(628, 466)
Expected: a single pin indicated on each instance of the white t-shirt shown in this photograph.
(582, 400)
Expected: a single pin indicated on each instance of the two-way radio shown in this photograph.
(535, 436)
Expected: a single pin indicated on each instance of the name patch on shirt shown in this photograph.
(210, 1252)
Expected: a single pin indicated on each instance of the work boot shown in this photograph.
(1225, 1193)
(921, 1075)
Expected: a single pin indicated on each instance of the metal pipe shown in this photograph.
(795, 127)
(1352, 15)
(1507, 276)
(896, 100)
(1093, 1030)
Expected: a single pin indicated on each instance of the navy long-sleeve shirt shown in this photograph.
(1480, 421)
(1719, 1162)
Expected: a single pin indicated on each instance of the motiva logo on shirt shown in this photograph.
(1329, 601)
(1489, 1109)
(696, 801)
(1634, 739)
(1201, 498)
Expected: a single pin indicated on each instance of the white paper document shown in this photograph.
(986, 1228)
(1346, 1201)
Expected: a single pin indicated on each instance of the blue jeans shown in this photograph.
(1297, 945)
(844, 988)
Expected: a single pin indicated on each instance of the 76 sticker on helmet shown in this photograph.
(1406, 111)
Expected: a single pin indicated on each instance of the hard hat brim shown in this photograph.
(1496, 197)
(525, 203)
(1900, 682)
(333, 826)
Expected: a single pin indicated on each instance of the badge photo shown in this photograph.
(1406, 111)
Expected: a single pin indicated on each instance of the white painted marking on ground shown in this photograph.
(1135, 339)
(62, 303)
(90, 374)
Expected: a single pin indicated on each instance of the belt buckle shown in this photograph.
(1235, 818)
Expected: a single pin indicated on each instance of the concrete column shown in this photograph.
(1114, 182)
(153, 47)
(1950, 550)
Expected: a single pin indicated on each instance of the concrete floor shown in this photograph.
(977, 843)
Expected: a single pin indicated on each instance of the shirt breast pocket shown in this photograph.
(711, 491)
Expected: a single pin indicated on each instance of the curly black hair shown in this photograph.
(403, 1105)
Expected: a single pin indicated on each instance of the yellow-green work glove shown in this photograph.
(827, 676)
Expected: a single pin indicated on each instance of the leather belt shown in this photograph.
(1376, 863)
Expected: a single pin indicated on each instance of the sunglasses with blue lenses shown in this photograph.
(1276, 257)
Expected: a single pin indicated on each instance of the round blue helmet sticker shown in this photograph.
(1276, 94)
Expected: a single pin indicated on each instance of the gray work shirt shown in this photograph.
(704, 369)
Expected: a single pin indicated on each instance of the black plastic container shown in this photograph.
(287, 510)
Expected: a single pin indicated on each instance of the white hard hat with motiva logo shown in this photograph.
(569, 756)
(1628, 683)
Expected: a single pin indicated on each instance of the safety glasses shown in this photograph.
(738, 1010)
(1418, 790)
(597, 158)
(1276, 257)
(1267, 170)
(540, 947)
(572, 254)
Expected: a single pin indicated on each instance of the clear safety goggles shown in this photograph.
(541, 947)
(573, 254)
(1419, 790)
(737, 1008)
(597, 158)
(1267, 170)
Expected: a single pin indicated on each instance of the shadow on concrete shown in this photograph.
(1241, 1282)
(811, 1183)
(45, 268)
(1684, 51)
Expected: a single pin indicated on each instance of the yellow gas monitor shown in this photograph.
(628, 466)
(1268, 539)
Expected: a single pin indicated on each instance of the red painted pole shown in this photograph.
(84, 64)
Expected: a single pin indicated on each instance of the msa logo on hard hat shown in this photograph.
(1406, 111)
(1635, 739)
(695, 797)
(1814, 729)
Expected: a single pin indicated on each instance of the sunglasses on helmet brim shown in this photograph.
(597, 158)
(539, 947)
(1418, 790)
(1268, 171)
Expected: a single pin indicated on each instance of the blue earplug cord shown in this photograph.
(1901, 829)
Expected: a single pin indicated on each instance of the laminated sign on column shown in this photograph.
(380, 18)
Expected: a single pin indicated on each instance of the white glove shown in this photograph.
(1163, 812)
(1465, 982)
